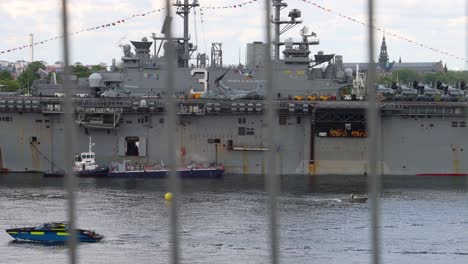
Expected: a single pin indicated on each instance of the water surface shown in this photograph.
(424, 220)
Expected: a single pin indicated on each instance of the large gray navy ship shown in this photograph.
(322, 129)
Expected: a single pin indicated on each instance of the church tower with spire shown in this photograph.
(383, 57)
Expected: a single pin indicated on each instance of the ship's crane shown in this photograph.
(359, 89)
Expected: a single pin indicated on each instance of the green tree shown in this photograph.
(80, 70)
(406, 75)
(96, 68)
(8, 85)
(58, 77)
(457, 76)
(436, 76)
(385, 80)
(26, 78)
(5, 75)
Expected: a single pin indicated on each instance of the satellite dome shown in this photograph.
(348, 72)
(95, 80)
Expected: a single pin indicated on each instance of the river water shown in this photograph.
(424, 220)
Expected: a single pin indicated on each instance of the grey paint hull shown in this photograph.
(32, 141)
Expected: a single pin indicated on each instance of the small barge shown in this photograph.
(126, 170)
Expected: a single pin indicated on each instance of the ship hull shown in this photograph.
(197, 173)
(99, 172)
(410, 144)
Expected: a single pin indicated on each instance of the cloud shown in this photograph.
(19, 8)
(432, 22)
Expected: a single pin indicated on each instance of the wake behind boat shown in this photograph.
(55, 232)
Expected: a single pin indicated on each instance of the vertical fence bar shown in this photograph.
(171, 139)
(373, 118)
(69, 140)
(271, 176)
(466, 61)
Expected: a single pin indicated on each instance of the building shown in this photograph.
(255, 55)
(20, 66)
(383, 57)
(420, 67)
(4, 64)
(385, 66)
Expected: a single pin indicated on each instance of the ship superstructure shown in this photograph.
(221, 111)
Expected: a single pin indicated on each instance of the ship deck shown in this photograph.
(54, 105)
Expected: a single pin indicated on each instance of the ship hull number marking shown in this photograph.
(203, 80)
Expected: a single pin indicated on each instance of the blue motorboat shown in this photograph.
(56, 232)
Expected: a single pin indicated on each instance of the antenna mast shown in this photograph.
(31, 43)
(293, 14)
(183, 10)
(216, 55)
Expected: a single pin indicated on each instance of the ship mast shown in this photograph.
(278, 5)
(183, 10)
(90, 147)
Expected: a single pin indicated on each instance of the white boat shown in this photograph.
(85, 161)
(85, 165)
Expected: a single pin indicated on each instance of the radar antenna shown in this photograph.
(122, 39)
(184, 49)
(294, 16)
(305, 32)
(183, 10)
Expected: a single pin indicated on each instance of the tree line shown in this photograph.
(26, 78)
(409, 76)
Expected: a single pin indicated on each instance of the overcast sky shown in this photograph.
(434, 23)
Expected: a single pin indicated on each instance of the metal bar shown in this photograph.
(373, 156)
(271, 176)
(69, 142)
(171, 139)
(466, 61)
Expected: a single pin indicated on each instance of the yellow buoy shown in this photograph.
(168, 196)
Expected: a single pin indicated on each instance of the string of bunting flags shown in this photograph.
(224, 7)
(234, 6)
(382, 30)
(231, 6)
(111, 24)
(120, 22)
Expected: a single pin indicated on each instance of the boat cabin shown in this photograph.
(85, 160)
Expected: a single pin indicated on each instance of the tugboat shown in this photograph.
(55, 232)
(85, 165)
